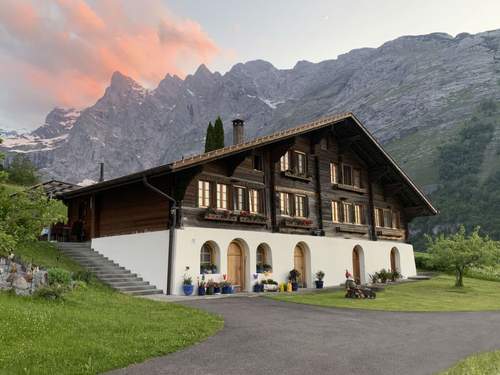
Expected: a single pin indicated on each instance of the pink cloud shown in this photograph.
(65, 51)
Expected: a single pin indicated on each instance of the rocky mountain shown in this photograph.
(401, 88)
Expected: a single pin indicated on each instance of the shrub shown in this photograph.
(374, 278)
(423, 261)
(59, 276)
(384, 275)
(85, 276)
(320, 275)
(55, 292)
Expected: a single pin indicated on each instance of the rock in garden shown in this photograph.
(20, 283)
(39, 278)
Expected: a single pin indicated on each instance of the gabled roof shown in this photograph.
(55, 188)
(345, 124)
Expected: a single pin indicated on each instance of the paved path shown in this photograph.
(263, 336)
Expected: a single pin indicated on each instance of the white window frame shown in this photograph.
(300, 205)
(301, 167)
(253, 201)
(334, 172)
(359, 210)
(335, 212)
(285, 204)
(347, 210)
(240, 197)
(222, 201)
(285, 162)
(204, 190)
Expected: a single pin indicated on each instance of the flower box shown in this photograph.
(253, 219)
(352, 228)
(270, 287)
(302, 177)
(390, 232)
(221, 216)
(297, 223)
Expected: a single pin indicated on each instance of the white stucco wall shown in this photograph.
(145, 254)
(331, 255)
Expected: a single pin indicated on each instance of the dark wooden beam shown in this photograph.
(346, 142)
(393, 189)
(232, 162)
(378, 172)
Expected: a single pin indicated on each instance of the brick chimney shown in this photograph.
(238, 131)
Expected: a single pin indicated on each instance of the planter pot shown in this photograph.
(226, 290)
(210, 290)
(270, 287)
(201, 291)
(319, 284)
(295, 287)
(256, 288)
(188, 289)
(217, 290)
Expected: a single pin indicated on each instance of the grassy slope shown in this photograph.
(478, 364)
(437, 294)
(93, 329)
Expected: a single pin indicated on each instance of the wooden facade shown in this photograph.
(289, 183)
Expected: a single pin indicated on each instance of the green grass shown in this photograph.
(437, 294)
(93, 329)
(45, 254)
(478, 364)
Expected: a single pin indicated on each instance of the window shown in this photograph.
(359, 214)
(396, 220)
(300, 205)
(206, 258)
(347, 175)
(335, 212)
(261, 257)
(254, 201)
(300, 167)
(334, 173)
(285, 162)
(239, 198)
(203, 193)
(222, 196)
(285, 204)
(387, 219)
(379, 217)
(257, 162)
(348, 212)
(356, 176)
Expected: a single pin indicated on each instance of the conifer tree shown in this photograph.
(218, 134)
(209, 138)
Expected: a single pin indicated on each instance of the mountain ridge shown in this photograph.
(399, 88)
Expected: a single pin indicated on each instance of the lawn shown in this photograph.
(478, 364)
(437, 294)
(94, 329)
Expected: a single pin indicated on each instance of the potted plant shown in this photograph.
(267, 268)
(210, 287)
(216, 288)
(270, 285)
(226, 287)
(256, 287)
(201, 287)
(320, 275)
(187, 285)
(294, 276)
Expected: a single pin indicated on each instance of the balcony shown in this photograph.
(390, 232)
(352, 228)
(353, 188)
(295, 222)
(297, 176)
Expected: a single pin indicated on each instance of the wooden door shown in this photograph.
(393, 260)
(355, 266)
(235, 266)
(299, 264)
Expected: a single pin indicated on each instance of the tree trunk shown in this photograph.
(459, 278)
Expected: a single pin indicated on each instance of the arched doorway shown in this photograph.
(299, 263)
(236, 266)
(395, 266)
(357, 268)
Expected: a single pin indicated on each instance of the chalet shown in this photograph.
(321, 196)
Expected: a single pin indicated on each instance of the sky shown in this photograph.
(63, 52)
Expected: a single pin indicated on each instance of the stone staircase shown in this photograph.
(106, 270)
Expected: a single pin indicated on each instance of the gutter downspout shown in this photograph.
(171, 236)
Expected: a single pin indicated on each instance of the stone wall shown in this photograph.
(22, 278)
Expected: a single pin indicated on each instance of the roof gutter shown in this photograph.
(171, 236)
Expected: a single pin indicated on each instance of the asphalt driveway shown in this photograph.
(263, 336)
